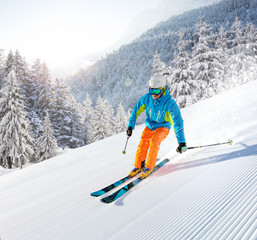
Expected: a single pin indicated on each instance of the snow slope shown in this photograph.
(207, 193)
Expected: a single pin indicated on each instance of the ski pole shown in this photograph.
(124, 151)
(229, 142)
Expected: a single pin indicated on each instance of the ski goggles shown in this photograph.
(155, 91)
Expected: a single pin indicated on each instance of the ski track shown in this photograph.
(228, 211)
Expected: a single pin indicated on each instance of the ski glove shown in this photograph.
(181, 148)
(129, 131)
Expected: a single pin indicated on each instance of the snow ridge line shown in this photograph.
(219, 209)
(241, 185)
(205, 211)
(232, 214)
(179, 226)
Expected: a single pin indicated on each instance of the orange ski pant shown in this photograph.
(150, 140)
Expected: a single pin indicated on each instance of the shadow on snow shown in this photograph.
(246, 152)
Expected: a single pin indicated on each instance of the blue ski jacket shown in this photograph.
(163, 112)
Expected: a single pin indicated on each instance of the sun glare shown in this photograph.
(60, 45)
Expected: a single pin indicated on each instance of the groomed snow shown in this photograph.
(207, 193)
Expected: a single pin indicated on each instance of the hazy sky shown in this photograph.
(59, 31)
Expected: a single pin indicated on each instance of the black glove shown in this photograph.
(182, 147)
(129, 131)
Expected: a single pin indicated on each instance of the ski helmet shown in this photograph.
(157, 81)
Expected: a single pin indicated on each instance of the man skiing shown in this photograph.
(162, 113)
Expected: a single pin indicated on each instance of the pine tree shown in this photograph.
(237, 53)
(180, 82)
(45, 90)
(222, 42)
(36, 75)
(1, 67)
(251, 51)
(158, 67)
(127, 77)
(206, 64)
(16, 143)
(42, 89)
(36, 124)
(76, 125)
(101, 121)
(24, 79)
(1, 73)
(240, 63)
(66, 118)
(46, 143)
(10, 64)
(121, 120)
(251, 40)
(59, 100)
(87, 113)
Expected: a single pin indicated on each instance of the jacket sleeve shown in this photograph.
(177, 121)
(138, 109)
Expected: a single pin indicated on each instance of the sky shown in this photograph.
(59, 32)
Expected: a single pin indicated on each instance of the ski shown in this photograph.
(114, 196)
(110, 187)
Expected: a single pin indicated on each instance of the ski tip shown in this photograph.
(97, 193)
(94, 195)
(165, 160)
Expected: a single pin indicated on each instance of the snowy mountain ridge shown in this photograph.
(207, 193)
(107, 76)
(152, 16)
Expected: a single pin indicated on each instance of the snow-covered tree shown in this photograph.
(86, 115)
(251, 39)
(127, 76)
(240, 62)
(46, 143)
(221, 45)
(121, 120)
(9, 64)
(101, 122)
(1, 67)
(42, 89)
(17, 145)
(180, 82)
(1, 72)
(206, 64)
(66, 118)
(76, 124)
(158, 67)
(59, 102)
(24, 79)
(45, 89)
(36, 124)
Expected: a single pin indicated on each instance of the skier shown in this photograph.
(162, 112)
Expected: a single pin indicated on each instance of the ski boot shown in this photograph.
(135, 171)
(145, 172)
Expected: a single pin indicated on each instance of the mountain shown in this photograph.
(134, 60)
(152, 16)
(207, 193)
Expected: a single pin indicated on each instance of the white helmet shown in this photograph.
(157, 81)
